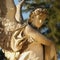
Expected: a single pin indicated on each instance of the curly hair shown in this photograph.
(37, 16)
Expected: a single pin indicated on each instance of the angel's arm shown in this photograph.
(30, 32)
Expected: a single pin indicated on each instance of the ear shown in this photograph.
(18, 15)
(29, 21)
(30, 18)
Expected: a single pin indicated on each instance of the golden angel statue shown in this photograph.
(23, 41)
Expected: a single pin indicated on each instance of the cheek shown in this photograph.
(40, 23)
(37, 23)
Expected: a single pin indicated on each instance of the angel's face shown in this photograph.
(38, 17)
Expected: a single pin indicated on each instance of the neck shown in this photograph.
(33, 26)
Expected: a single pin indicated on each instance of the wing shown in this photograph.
(12, 14)
(3, 9)
(8, 20)
(18, 14)
(7, 9)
